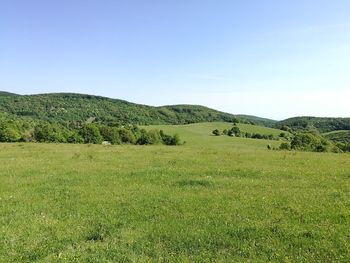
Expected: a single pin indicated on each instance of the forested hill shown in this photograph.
(321, 125)
(67, 107)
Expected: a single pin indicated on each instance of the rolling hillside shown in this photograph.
(80, 107)
(200, 134)
(321, 125)
(338, 136)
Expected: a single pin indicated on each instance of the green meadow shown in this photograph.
(213, 199)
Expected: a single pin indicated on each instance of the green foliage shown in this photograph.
(216, 132)
(234, 131)
(49, 133)
(91, 134)
(285, 146)
(74, 137)
(338, 136)
(309, 142)
(110, 134)
(67, 107)
(154, 136)
(9, 134)
(170, 140)
(322, 125)
(126, 136)
(345, 147)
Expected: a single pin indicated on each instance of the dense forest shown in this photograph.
(321, 125)
(24, 129)
(68, 107)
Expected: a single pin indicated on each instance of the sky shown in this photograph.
(271, 58)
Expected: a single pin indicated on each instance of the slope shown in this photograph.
(65, 107)
(200, 134)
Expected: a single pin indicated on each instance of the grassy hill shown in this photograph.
(80, 107)
(198, 133)
(214, 199)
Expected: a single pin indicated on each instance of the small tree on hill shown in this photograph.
(216, 132)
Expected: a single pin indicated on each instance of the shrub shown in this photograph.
(285, 146)
(309, 142)
(126, 136)
(49, 133)
(9, 134)
(216, 132)
(234, 131)
(91, 134)
(110, 134)
(154, 137)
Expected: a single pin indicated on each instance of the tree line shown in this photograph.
(313, 142)
(236, 132)
(20, 130)
(310, 141)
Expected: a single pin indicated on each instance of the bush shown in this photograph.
(126, 136)
(144, 138)
(9, 134)
(91, 134)
(234, 131)
(110, 134)
(154, 136)
(216, 132)
(309, 142)
(49, 133)
(74, 137)
(170, 140)
(285, 146)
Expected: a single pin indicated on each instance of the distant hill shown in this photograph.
(322, 125)
(4, 93)
(338, 136)
(66, 107)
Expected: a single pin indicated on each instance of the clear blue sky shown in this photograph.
(274, 59)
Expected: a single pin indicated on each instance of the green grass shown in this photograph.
(213, 199)
(201, 133)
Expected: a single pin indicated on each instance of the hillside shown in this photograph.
(338, 136)
(80, 107)
(201, 133)
(322, 125)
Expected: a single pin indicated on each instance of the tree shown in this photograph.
(282, 135)
(306, 141)
(144, 138)
(234, 131)
(171, 140)
(216, 132)
(235, 121)
(9, 134)
(91, 134)
(285, 146)
(154, 136)
(126, 136)
(74, 137)
(110, 134)
(49, 133)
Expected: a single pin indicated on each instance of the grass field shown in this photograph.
(217, 199)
